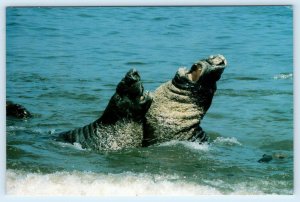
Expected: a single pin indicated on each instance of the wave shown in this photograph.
(187, 144)
(132, 63)
(160, 18)
(286, 145)
(123, 184)
(13, 129)
(289, 7)
(69, 95)
(89, 183)
(30, 78)
(283, 76)
(85, 15)
(195, 146)
(247, 78)
(252, 93)
(251, 187)
(227, 141)
(75, 145)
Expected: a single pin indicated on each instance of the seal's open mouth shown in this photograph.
(212, 69)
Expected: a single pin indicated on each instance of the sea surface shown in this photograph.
(63, 65)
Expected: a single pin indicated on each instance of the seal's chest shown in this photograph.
(173, 114)
(123, 134)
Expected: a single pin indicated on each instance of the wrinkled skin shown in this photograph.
(16, 111)
(180, 104)
(120, 125)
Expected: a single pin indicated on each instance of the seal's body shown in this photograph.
(179, 105)
(120, 125)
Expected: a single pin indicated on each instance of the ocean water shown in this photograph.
(63, 64)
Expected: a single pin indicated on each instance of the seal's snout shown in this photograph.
(217, 60)
(132, 76)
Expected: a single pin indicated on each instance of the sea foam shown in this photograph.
(77, 183)
(96, 184)
(75, 145)
(227, 141)
(187, 144)
(283, 76)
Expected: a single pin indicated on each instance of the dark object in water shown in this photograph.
(265, 159)
(121, 124)
(279, 156)
(16, 110)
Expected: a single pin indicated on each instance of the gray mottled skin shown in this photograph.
(120, 125)
(179, 105)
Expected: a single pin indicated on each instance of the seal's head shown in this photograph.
(201, 79)
(130, 101)
(209, 70)
(16, 110)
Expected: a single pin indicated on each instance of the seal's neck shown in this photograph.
(202, 94)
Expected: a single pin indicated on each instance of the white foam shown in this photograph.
(283, 76)
(227, 141)
(187, 144)
(257, 187)
(11, 130)
(91, 184)
(125, 184)
(15, 128)
(52, 131)
(75, 145)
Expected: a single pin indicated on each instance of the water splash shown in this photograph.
(283, 76)
(75, 145)
(15, 128)
(89, 183)
(196, 146)
(227, 141)
(124, 184)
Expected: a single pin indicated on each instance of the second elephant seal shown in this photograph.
(180, 104)
(121, 124)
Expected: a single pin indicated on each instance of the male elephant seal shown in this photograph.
(179, 105)
(120, 125)
(16, 110)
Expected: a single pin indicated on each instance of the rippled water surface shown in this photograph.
(63, 65)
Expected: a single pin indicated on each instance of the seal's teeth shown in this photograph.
(142, 98)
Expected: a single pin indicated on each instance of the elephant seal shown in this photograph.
(265, 158)
(17, 111)
(120, 125)
(180, 104)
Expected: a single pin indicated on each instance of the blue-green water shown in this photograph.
(63, 65)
